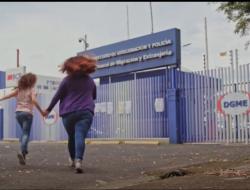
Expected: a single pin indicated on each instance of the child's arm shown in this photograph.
(34, 101)
(12, 94)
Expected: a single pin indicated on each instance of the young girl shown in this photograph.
(26, 98)
(76, 94)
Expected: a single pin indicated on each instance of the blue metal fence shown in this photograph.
(161, 103)
(199, 95)
(126, 107)
(195, 95)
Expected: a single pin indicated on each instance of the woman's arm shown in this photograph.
(12, 94)
(59, 94)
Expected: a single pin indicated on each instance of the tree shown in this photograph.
(238, 12)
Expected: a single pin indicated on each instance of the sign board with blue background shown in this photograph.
(146, 52)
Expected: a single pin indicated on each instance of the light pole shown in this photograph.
(17, 58)
(84, 41)
(231, 59)
(236, 59)
(231, 56)
(151, 14)
(127, 22)
(206, 43)
(204, 61)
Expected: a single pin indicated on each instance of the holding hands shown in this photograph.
(45, 113)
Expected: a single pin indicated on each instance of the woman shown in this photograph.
(26, 98)
(76, 94)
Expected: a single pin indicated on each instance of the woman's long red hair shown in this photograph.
(76, 64)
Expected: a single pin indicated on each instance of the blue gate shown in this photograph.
(131, 106)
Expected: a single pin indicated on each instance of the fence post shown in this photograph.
(1, 123)
(173, 97)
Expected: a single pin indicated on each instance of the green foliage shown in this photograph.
(238, 12)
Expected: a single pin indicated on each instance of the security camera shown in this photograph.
(80, 40)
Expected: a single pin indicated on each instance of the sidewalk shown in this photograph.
(126, 166)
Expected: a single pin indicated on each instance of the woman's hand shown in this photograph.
(45, 113)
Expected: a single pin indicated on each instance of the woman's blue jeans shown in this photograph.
(77, 125)
(24, 119)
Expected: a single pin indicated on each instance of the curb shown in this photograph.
(103, 142)
(10, 140)
(143, 141)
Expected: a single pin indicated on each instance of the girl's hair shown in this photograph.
(27, 81)
(83, 64)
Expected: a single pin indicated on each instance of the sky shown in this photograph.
(47, 32)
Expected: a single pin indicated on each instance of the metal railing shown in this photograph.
(201, 92)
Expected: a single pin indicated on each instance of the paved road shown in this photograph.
(120, 166)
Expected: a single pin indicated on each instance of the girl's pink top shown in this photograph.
(24, 100)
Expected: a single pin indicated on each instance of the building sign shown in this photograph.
(234, 103)
(13, 75)
(47, 85)
(146, 52)
(51, 119)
